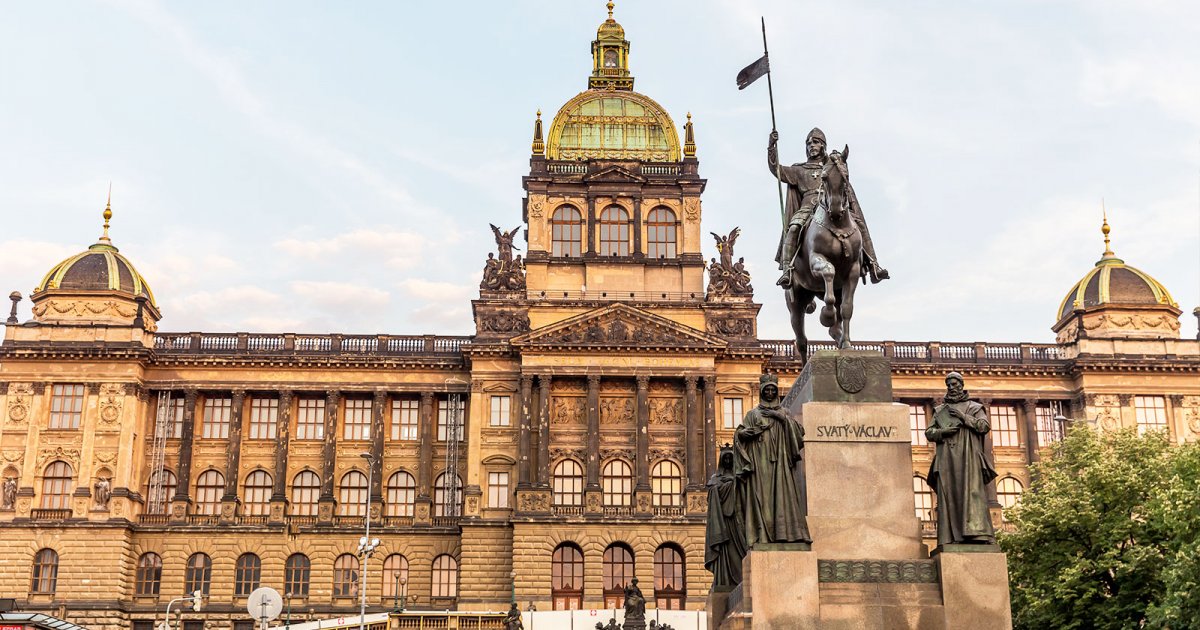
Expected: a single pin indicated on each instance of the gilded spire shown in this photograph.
(610, 8)
(107, 216)
(539, 146)
(689, 138)
(1108, 255)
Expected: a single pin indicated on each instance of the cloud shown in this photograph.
(398, 249)
(339, 296)
(30, 259)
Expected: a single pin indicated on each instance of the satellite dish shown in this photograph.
(264, 604)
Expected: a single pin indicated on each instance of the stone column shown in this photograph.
(544, 382)
(710, 425)
(186, 438)
(643, 432)
(1029, 410)
(426, 425)
(377, 412)
(693, 430)
(638, 249)
(524, 446)
(233, 456)
(593, 437)
(283, 438)
(328, 455)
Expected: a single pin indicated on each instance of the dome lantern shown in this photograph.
(610, 57)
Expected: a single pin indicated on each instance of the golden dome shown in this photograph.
(100, 267)
(610, 29)
(1111, 281)
(612, 124)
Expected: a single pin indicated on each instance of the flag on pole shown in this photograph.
(752, 72)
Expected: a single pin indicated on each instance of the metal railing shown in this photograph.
(617, 296)
(298, 344)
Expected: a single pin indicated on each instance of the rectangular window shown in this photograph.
(175, 418)
(310, 419)
(501, 406)
(1151, 413)
(66, 406)
(449, 411)
(918, 422)
(1049, 430)
(264, 413)
(405, 412)
(217, 412)
(498, 489)
(731, 410)
(357, 423)
(1004, 425)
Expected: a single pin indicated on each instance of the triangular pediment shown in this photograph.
(619, 326)
(614, 174)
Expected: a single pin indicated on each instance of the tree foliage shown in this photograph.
(1109, 535)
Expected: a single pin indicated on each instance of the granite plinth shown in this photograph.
(975, 588)
(844, 376)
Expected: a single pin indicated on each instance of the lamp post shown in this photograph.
(366, 546)
(287, 620)
(398, 603)
(513, 576)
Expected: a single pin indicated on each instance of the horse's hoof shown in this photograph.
(812, 306)
(827, 316)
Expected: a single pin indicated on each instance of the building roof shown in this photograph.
(613, 124)
(100, 267)
(1111, 281)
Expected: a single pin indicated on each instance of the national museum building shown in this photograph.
(553, 455)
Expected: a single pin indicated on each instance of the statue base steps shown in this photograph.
(868, 567)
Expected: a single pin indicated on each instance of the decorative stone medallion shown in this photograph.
(851, 374)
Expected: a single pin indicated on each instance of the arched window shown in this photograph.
(614, 232)
(246, 575)
(306, 490)
(44, 579)
(149, 574)
(616, 479)
(566, 232)
(670, 585)
(445, 576)
(57, 484)
(209, 487)
(568, 483)
(923, 499)
(352, 493)
(257, 498)
(296, 572)
(395, 576)
(345, 576)
(197, 576)
(401, 494)
(660, 233)
(158, 497)
(566, 577)
(1008, 493)
(666, 483)
(617, 571)
(447, 498)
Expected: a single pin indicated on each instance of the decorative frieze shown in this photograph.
(878, 571)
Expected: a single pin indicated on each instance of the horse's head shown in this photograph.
(834, 178)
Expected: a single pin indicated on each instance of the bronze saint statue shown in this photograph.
(635, 607)
(960, 469)
(725, 535)
(767, 449)
(804, 190)
(512, 620)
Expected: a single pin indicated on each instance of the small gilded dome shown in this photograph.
(613, 124)
(1111, 281)
(610, 29)
(100, 267)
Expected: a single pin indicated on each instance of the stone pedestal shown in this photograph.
(974, 586)
(868, 567)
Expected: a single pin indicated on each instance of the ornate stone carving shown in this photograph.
(106, 457)
(503, 272)
(567, 386)
(732, 326)
(668, 387)
(691, 208)
(877, 571)
(101, 493)
(85, 308)
(616, 386)
(619, 325)
(616, 411)
(71, 455)
(1190, 408)
(611, 453)
(20, 400)
(14, 456)
(112, 399)
(728, 278)
(504, 322)
(567, 411)
(557, 454)
(535, 207)
(697, 503)
(665, 411)
(673, 454)
(533, 501)
(851, 374)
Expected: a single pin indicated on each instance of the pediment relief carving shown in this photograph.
(614, 174)
(622, 326)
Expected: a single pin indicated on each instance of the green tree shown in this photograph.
(1107, 537)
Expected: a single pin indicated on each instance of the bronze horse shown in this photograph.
(828, 264)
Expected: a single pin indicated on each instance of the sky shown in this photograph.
(333, 167)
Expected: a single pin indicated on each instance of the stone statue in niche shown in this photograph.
(767, 450)
(503, 272)
(8, 495)
(960, 470)
(101, 493)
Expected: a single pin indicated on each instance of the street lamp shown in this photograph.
(287, 620)
(366, 545)
(401, 583)
(513, 575)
